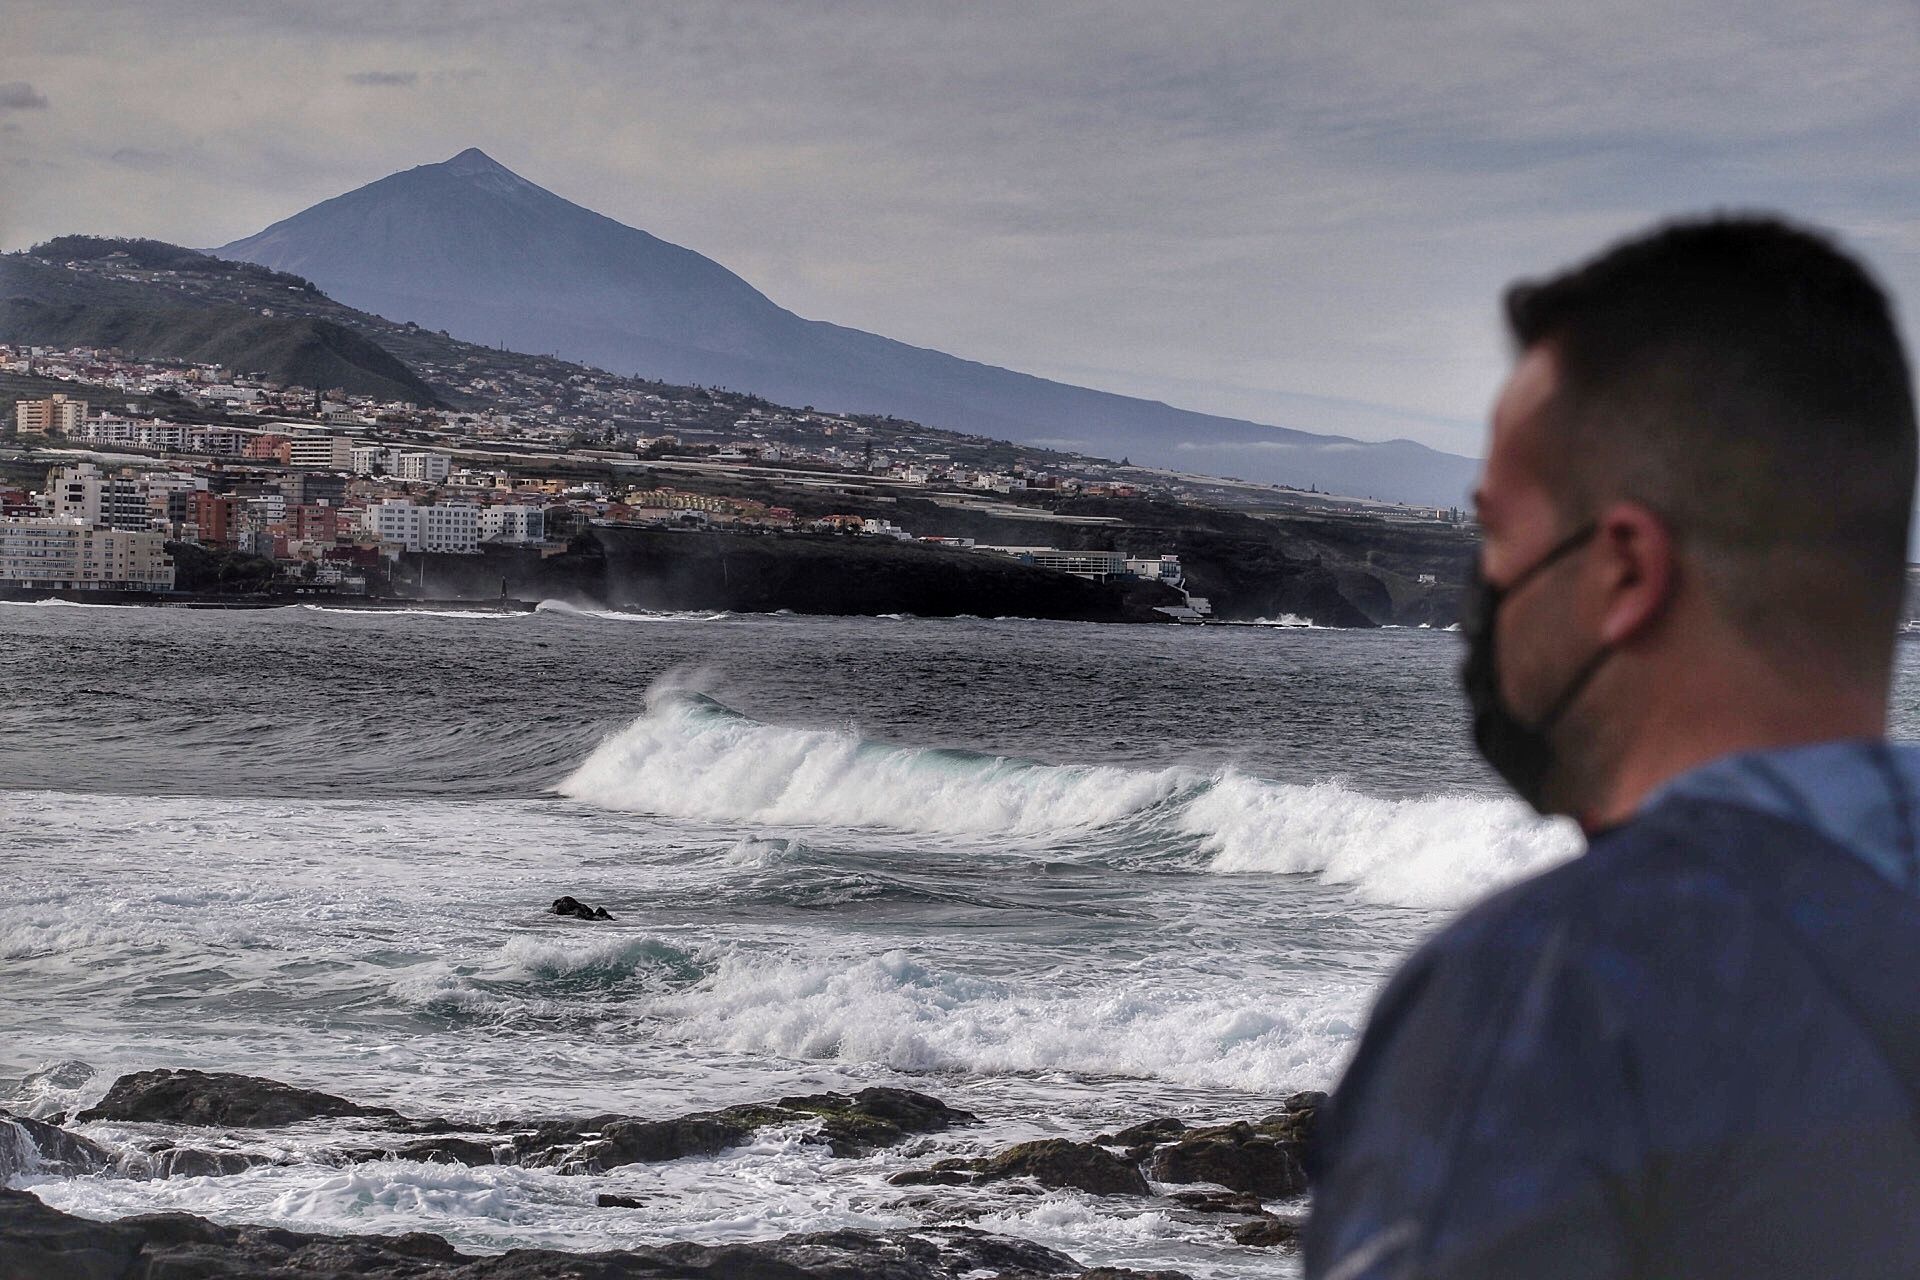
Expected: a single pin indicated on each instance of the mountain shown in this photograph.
(471, 247)
(43, 305)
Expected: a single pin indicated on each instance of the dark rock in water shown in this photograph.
(577, 909)
(1219, 1202)
(606, 1200)
(623, 1141)
(1239, 1157)
(35, 1146)
(218, 1098)
(1165, 1129)
(1056, 1162)
(1311, 1100)
(1267, 1230)
(877, 1117)
(169, 1161)
(850, 1125)
(38, 1242)
(947, 1173)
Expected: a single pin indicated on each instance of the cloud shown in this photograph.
(18, 95)
(1301, 214)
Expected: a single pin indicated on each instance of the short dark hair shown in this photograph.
(1744, 378)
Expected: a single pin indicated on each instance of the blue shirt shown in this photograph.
(1694, 1051)
(1862, 795)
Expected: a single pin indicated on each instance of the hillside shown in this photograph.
(45, 305)
(470, 247)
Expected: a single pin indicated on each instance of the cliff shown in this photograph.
(650, 568)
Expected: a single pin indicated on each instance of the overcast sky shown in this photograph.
(1297, 213)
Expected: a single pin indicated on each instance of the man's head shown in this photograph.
(1725, 409)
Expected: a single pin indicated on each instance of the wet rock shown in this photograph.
(850, 1125)
(1219, 1202)
(873, 1118)
(1056, 1162)
(168, 1161)
(1165, 1129)
(1239, 1157)
(577, 909)
(607, 1200)
(1139, 1140)
(1268, 1231)
(38, 1242)
(624, 1141)
(35, 1146)
(219, 1098)
(947, 1173)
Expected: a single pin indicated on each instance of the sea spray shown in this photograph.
(692, 757)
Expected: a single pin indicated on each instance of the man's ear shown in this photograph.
(1635, 550)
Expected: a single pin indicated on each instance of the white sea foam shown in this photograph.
(567, 609)
(1438, 851)
(688, 757)
(912, 1015)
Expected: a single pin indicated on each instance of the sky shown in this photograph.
(1298, 213)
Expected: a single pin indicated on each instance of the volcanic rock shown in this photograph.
(169, 1161)
(35, 1146)
(607, 1200)
(38, 1242)
(1239, 1157)
(577, 909)
(876, 1117)
(1219, 1202)
(1056, 1162)
(219, 1098)
(1267, 1230)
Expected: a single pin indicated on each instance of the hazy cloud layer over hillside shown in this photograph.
(1294, 213)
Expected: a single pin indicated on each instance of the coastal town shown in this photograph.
(325, 492)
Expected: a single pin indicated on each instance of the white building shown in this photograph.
(86, 493)
(320, 449)
(368, 460)
(428, 468)
(515, 523)
(1156, 569)
(56, 552)
(452, 527)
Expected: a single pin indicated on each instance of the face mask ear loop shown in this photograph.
(1556, 552)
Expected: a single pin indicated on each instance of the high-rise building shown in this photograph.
(86, 493)
(513, 523)
(451, 527)
(64, 553)
(39, 417)
(428, 468)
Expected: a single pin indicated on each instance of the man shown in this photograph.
(1695, 1050)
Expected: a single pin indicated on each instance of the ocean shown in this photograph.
(1067, 877)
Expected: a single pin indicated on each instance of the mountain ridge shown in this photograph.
(469, 246)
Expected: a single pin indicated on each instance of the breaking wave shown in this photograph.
(690, 757)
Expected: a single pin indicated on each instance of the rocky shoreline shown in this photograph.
(1246, 1175)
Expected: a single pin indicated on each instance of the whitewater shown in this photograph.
(1066, 877)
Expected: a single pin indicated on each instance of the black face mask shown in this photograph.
(1521, 753)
